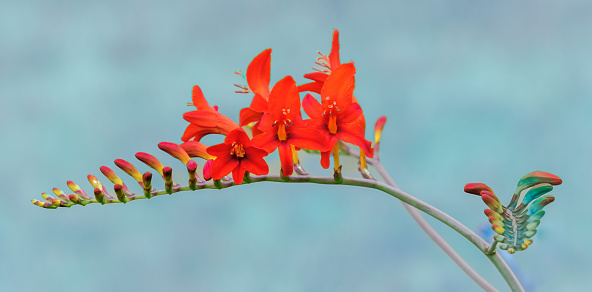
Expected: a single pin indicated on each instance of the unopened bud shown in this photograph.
(99, 196)
(151, 161)
(130, 169)
(76, 189)
(196, 149)
(168, 179)
(175, 151)
(207, 170)
(61, 194)
(378, 127)
(110, 174)
(147, 184)
(120, 193)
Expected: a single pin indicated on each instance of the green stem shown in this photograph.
(488, 250)
(434, 236)
(495, 258)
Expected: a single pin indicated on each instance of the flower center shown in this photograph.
(332, 125)
(282, 132)
(237, 149)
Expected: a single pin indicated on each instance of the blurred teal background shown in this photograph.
(474, 91)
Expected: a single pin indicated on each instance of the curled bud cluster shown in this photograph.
(516, 223)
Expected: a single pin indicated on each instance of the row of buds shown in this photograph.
(122, 193)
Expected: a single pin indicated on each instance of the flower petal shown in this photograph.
(238, 174)
(199, 100)
(238, 135)
(317, 76)
(312, 107)
(339, 86)
(312, 87)
(354, 134)
(223, 165)
(334, 55)
(248, 115)
(325, 162)
(255, 164)
(286, 158)
(284, 101)
(258, 73)
(267, 141)
(311, 139)
(350, 114)
(259, 103)
(222, 149)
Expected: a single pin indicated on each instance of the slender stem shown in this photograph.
(495, 258)
(456, 258)
(488, 250)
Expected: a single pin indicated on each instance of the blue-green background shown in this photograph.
(474, 91)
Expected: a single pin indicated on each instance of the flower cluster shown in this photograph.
(275, 121)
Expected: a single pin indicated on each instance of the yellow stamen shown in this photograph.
(336, 156)
(237, 150)
(295, 155)
(332, 124)
(282, 132)
(362, 159)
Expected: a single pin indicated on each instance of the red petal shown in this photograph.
(312, 107)
(209, 122)
(255, 164)
(266, 124)
(339, 86)
(220, 150)
(259, 103)
(284, 96)
(352, 113)
(238, 135)
(255, 130)
(238, 174)
(286, 159)
(317, 76)
(312, 139)
(325, 162)
(312, 87)
(267, 141)
(253, 151)
(354, 134)
(223, 165)
(258, 73)
(190, 132)
(334, 55)
(199, 100)
(248, 115)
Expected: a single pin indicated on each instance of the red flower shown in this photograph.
(336, 117)
(329, 63)
(237, 155)
(258, 80)
(283, 128)
(205, 120)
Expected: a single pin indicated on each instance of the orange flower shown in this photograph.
(336, 117)
(329, 64)
(283, 128)
(258, 79)
(205, 120)
(237, 155)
